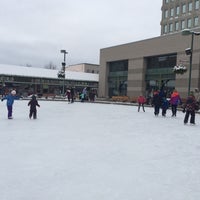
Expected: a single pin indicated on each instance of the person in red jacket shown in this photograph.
(141, 101)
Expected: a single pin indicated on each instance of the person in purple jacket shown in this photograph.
(10, 100)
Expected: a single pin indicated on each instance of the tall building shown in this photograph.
(179, 14)
(141, 67)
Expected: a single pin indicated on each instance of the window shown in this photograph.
(165, 61)
(196, 21)
(189, 23)
(176, 26)
(182, 24)
(171, 12)
(190, 6)
(165, 29)
(183, 8)
(166, 14)
(177, 10)
(196, 4)
(166, 1)
(117, 78)
(170, 27)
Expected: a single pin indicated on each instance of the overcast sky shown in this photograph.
(34, 31)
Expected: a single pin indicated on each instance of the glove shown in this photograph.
(1, 99)
(184, 110)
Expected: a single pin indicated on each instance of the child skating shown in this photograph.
(10, 100)
(33, 103)
(141, 101)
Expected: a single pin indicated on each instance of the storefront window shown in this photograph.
(117, 78)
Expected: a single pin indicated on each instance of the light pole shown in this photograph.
(64, 52)
(189, 51)
(62, 72)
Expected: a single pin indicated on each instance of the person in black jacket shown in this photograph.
(157, 102)
(33, 103)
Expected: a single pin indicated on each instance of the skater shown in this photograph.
(175, 100)
(189, 109)
(164, 106)
(82, 97)
(156, 102)
(72, 94)
(68, 95)
(10, 100)
(33, 103)
(141, 101)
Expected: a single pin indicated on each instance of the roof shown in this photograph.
(45, 73)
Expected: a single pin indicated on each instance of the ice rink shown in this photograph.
(90, 151)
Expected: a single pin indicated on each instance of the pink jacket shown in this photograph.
(141, 100)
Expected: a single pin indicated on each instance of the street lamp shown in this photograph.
(64, 52)
(189, 51)
(61, 74)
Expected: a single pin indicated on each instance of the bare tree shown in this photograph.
(28, 65)
(50, 66)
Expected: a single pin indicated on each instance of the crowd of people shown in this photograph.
(160, 102)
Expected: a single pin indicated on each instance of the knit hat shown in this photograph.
(13, 92)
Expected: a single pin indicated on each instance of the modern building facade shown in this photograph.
(179, 14)
(140, 67)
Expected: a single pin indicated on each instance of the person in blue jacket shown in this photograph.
(164, 106)
(10, 100)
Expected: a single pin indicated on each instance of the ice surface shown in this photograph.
(86, 151)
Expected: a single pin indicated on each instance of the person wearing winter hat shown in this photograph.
(189, 108)
(175, 100)
(33, 103)
(10, 100)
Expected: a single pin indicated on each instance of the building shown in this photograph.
(140, 67)
(84, 67)
(29, 80)
(178, 15)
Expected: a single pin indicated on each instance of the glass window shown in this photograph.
(166, 1)
(171, 12)
(165, 61)
(182, 24)
(196, 21)
(118, 66)
(165, 29)
(190, 6)
(166, 14)
(183, 8)
(177, 10)
(170, 27)
(176, 26)
(196, 4)
(189, 23)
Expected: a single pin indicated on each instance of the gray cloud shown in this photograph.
(33, 32)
